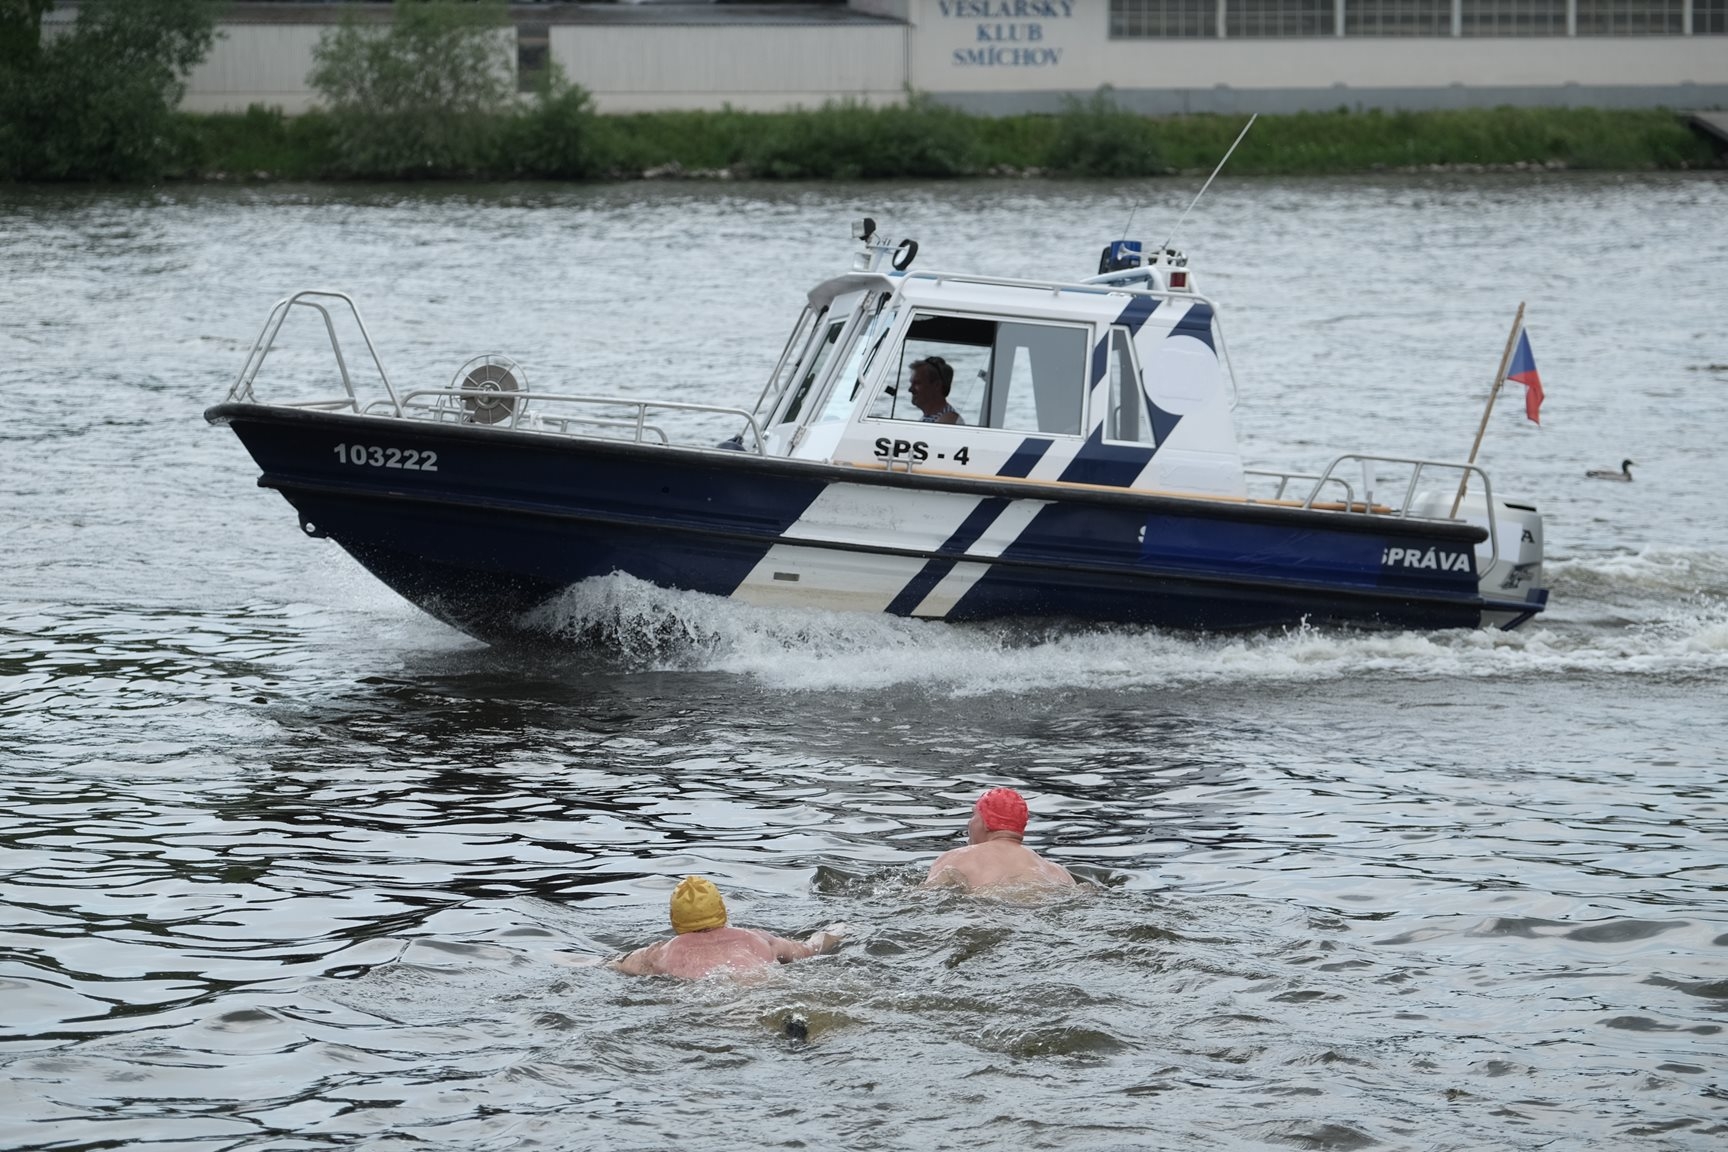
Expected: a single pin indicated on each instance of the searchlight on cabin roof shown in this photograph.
(1120, 255)
(1131, 255)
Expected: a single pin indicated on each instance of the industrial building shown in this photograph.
(1007, 56)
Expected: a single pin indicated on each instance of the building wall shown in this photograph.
(1000, 65)
(265, 64)
(640, 68)
(254, 64)
(994, 65)
(628, 67)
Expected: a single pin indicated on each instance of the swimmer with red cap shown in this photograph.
(993, 856)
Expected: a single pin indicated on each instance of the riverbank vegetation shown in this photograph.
(432, 95)
(561, 138)
(96, 102)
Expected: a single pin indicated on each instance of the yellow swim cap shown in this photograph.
(696, 905)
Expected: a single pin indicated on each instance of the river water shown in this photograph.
(285, 864)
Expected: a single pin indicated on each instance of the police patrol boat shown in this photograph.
(1090, 472)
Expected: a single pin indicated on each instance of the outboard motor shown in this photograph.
(1519, 566)
(1516, 573)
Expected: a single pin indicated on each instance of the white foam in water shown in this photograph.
(816, 650)
(1675, 572)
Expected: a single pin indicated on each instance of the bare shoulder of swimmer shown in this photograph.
(946, 872)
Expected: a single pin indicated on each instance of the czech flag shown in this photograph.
(1523, 370)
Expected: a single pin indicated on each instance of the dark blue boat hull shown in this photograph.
(509, 519)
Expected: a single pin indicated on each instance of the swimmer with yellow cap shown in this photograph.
(704, 943)
(993, 856)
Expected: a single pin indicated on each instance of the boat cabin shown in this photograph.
(1118, 381)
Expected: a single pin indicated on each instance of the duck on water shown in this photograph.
(1093, 473)
(1624, 475)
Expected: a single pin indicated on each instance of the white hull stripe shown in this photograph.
(801, 576)
(968, 533)
(792, 572)
(960, 577)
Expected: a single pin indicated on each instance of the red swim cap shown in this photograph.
(1002, 810)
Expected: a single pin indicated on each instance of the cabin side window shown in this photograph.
(1038, 378)
(1127, 418)
(1016, 375)
(963, 342)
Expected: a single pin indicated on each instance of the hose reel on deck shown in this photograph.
(500, 378)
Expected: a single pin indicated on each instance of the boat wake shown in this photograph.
(1655, 613)
(1651, 580)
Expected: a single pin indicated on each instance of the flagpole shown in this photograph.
(1481, 429)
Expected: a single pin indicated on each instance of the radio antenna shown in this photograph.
(1203, 188)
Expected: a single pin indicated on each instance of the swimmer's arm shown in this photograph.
(786, 951)
(637, 963)
(825, 940)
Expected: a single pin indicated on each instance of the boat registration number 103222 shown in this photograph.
(372, 456)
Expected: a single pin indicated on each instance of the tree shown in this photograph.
(21, 32)
(422, 96)
(97, 102)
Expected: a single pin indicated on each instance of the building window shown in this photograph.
(1398, 17)
(1631, 17)
(1710, 17)
(533, 54)
(1250, 18)
(1513, 17)
(1163, 19)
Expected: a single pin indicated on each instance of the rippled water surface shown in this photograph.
(285, 864)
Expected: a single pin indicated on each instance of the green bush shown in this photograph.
(420, 97)
(97, 102)
(554, 139)
(1347, 141)
(694, 141)
(848, 141)
(1094, 137)
(257, 142)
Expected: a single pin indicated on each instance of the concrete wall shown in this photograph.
(643, 67)
(254, 64)
(267, 64)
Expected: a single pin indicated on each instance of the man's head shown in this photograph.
(1000, 810)
(931, 381)
(697, 906)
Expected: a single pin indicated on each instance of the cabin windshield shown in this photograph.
(849, 381)
(824, 337)
(790, 355)
(1027, 376)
